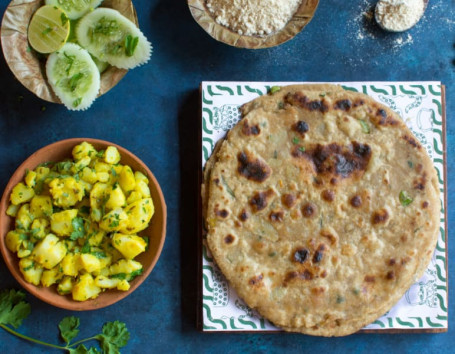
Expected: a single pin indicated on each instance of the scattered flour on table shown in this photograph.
(399, 15)
(253, 17)
(364, 28)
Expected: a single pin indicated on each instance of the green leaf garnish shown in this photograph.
(228, 189)
(115, 335)
(405, 198)
(274, 89)
(130, 45)
(14, 309)
(100, 154)
(69, 328)
(295, 140)
(365, 126)
(78, 228)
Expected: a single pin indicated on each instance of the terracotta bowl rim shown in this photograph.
(66, 302)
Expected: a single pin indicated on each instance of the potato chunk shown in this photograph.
(14, 240)
(111, 155)
(40, 206)
(49, 252)
(23, 218)
(89, 262)
(126, 179)
(139, 214)
(125, 266)
(30, 270)
(82, 150)
(66, 191)
(65, 286)
(85, 288)
(129, 245)
(70, 264)
(21, 194)
(114, 220)
(51, 276)
(61, 222)
(116, 197)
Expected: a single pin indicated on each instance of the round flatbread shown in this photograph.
(321, 208)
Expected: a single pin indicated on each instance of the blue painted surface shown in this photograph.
(153, 112)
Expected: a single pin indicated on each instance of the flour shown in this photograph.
(399, 15)
(253, 17)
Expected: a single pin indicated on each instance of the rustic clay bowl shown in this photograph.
(29, 66)
(223, 34)
(156, 230)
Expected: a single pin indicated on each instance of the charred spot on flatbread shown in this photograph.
(252, 168)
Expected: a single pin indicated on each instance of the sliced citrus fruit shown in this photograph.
(73, 76)
(75, 8)
(49, 29)
(113, 38)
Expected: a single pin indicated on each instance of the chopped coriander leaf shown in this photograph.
(365, 126)
(78, 228)
(121, 276)
(135, 273)
(302, 148)
(130, 45)
(405, 198)
(100, 153)
(274, 89)
(86, 248)
(295, 140)
(228, 189)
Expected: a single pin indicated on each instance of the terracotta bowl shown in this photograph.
(223, 34)
(29, 66)
(156, 230)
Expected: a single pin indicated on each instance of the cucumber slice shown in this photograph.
(111, 37)
(75, 8)
(73, 76)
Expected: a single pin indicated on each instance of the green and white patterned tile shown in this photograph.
(424, 305)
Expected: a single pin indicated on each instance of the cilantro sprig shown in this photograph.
(14, 309)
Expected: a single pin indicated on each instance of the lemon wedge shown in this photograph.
(49, 29)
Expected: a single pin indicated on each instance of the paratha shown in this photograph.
(321, 208)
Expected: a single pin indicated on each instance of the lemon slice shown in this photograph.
(113, 38)
(75, 8)
(49, 29)
(73, 76)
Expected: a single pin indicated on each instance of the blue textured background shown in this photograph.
(153, 112)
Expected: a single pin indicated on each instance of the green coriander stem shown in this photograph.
(75, 344)
(17, 334)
